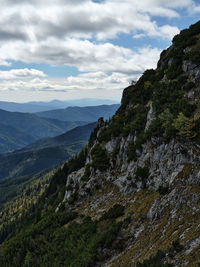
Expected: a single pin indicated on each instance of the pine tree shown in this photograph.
(184, 126)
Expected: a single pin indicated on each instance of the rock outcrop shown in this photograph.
(147, 159)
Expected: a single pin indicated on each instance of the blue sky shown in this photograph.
(65, 49)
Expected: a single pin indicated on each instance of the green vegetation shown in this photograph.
(131, 153)
(155, 261)
(142, 173)
(193, 55)
(23, 200)
(56, 190)
(18, 198)
(86, 173)
(116, 211)
(100, 158)
(166, 118)
(184, 126)
(58, 240)
(45, 153)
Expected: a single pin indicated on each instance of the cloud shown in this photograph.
(73, 32)
(21, 73)
(44, 19)
(82, 34)
(194, 8)
(96, 84)
(11, 35)
(85, 55)
(93, 19)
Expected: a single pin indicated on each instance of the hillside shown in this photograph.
(12, 138)
(20, 129)
(131, 197)
(45, 153)
(90, 114)
(77, 134)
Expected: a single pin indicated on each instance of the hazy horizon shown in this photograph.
(64, 100)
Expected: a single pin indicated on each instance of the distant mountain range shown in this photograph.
(89, 114)
(45, 153)
(20, 129)
(39, 106)
(24, 107)
(76, 135)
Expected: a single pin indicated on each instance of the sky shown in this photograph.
(72, 49)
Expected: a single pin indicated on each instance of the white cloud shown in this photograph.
(78, 33)
(21, 73)
(84, 19)
(194, 8)
(95, 84)
(51, 31)
(84, 81)
(85, 55)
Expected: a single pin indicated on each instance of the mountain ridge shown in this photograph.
(21, 129)
(39, 106)
(45, 153)
(89, 114)
(14, 136)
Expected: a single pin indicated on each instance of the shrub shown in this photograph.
(155, 261)
(73, 198)
(155, 129)
(193, 55)
(184, 126)
(131, 152)
(87, 173)
(105, 135)
(177, 246)
(116, 211)
(167, 119)
(174, 71)
(111, 234)
(163, 190)
(188, 86)
(100, 158)
(143, 173)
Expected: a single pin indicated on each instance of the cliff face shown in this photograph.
(147, 158)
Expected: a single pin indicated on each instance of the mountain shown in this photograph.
(39, 106)
(45, 153)
(83, 102)
(89, 114)
(31, 107)
(131, 197)
(20, 129)
(77, 134)
(12, 138)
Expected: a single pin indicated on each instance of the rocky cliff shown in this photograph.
(147, 159)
